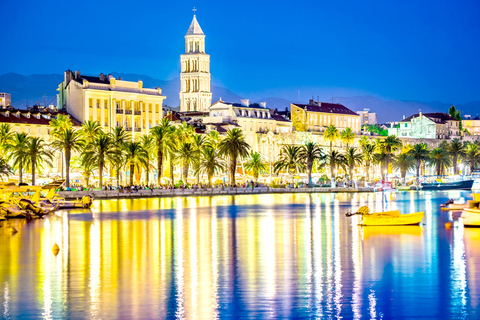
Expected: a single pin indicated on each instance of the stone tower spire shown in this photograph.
(195, 92)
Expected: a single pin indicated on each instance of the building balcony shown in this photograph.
(128, 129)
(138, 129)
(128, 111)
(119, 110)
(137, 112)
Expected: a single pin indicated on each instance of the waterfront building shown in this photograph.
(195, 94)
(265, 131)
(367, 117)
(317, 116)
(427, 126)
(112, 102)
(472, 125)
(5, 99)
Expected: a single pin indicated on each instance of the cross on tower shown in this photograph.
(194, 10)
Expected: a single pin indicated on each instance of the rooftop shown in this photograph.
(325, 107)
(439, 117)
(194, 28)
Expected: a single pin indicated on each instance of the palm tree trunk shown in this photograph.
(418, 170)
(67, 166)
(455, 158)
(117, 175)
(185, 173)
(172, 177)
(33, 170)
(233, 168)
(148, 175)
(368, 171)
(331, 146)
(159, 166)
(132, 171)
(209, 180)
(100, 172)
(309, 171)
(332, 169)
(20, 169)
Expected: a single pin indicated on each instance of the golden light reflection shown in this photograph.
(190, 259)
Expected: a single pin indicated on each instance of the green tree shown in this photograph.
(162, 135)
(353, 158)
(347, 136)
(60, 123)
(368, 150)
(310, 152)
(100, 150)
(454, 113)
(256, 164)
(17, 152)
(403, 162)
(135, 156)
(457, 150)
(5, 169)
(331, 134)
(234, 146)
(472, 156)
(440, 159)
(67, 141)
(198, 141)
(37, 154)
(211, 162)
(86, 167)
(186, 157)
(388, 146)
(290, 160)
(420, 153)
(6, 136)
(335, 159)
(148, 145)
(118, 136)
(91, 130)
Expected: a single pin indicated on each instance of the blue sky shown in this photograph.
(410, 50)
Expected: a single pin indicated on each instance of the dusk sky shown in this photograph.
(410, 50)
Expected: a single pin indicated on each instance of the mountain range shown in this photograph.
(41, 89)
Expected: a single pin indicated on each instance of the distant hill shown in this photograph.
(41, 88)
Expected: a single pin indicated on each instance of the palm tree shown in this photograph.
(213, 139)
(16, 150)
(211, 162)
(119, 137)
(334, 159)
(380, 158)
(363, 141)
(100, 150)
(289, 160)
(6, 135)
(66, 141)
(390, 145)
(347, 136)
(91, 130)
(403, 162)
(135, 156)
(61, 122)
(234, 146)
(368, 150)
(5, 169)
(457, 150)
(171, 151)
(256, 164)
(86, 166)
(162, 134)
(472, 156)
(148, 144)
(37, 154)
(441, 159)
(420, 153)
(331, 134)
(353, 158)
(198, 141)
(187, 156)
(310, 152)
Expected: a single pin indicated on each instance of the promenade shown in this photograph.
(115, 194)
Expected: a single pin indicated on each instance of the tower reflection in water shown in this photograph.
(262, 256)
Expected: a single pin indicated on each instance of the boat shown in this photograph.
(54, 199)
(454, 185)
(387, 218)
(409, 188)
(471, 213)
(450, 205)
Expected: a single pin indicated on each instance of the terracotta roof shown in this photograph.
(172, 117)
(438, 117)
(326, 107)
(33, 119)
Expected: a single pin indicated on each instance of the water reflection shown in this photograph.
(263, 256)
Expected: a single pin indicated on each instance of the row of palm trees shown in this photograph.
(381, 153)
(209, 154)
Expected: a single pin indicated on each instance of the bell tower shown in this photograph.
(195, 92)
